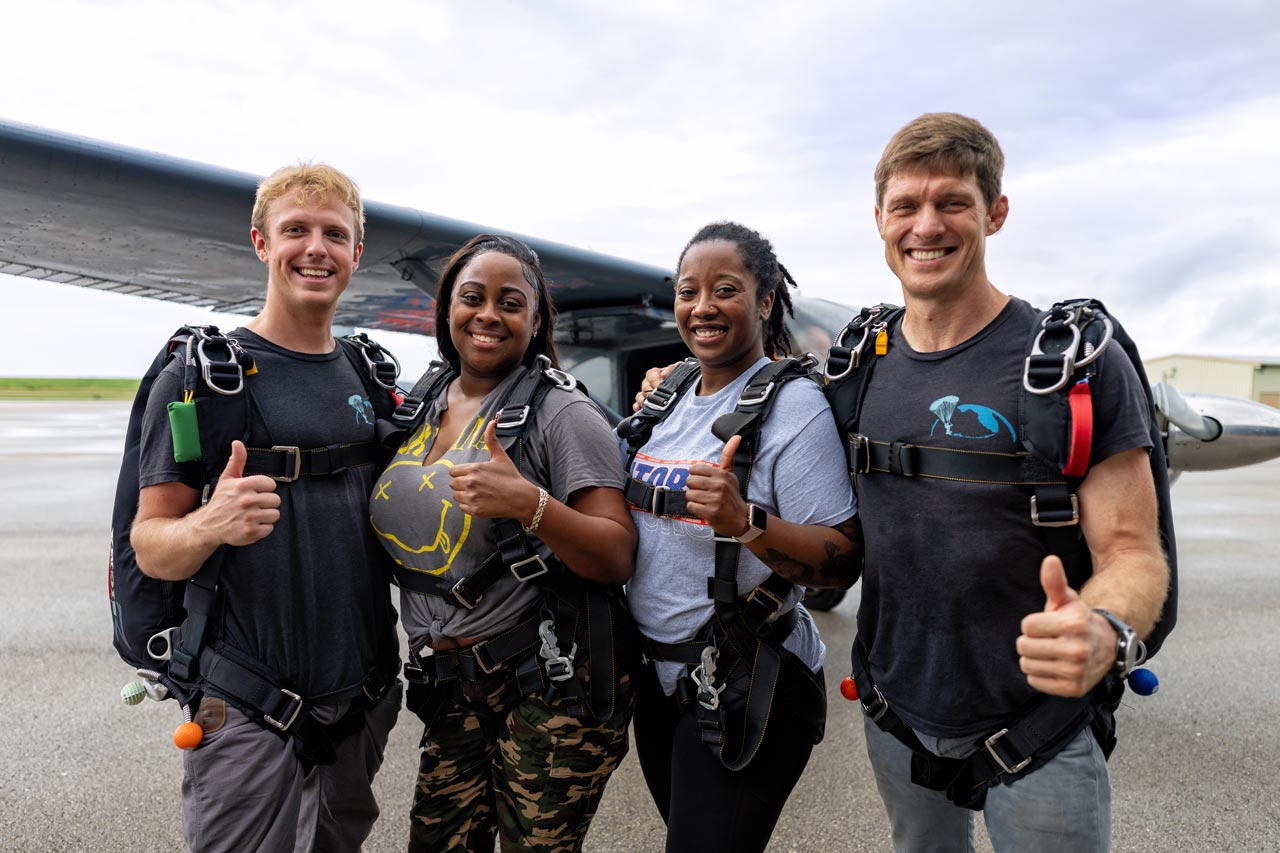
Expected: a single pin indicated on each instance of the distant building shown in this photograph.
(1240, 376)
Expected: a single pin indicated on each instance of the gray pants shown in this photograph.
(1063, 807)
(245, 790)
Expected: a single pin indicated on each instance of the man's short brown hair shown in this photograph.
(310, 183)
(948, 143)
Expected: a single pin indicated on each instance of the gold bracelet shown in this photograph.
(537, 513)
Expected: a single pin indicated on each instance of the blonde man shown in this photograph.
(297, 669)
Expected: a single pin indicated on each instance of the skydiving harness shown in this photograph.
(541, 650)
(162, 628)
(739, 647)
(1062, 366)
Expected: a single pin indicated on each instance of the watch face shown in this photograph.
(759, 518)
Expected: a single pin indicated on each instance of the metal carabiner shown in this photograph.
(559, 667)
(703, 676)
(1068, 357)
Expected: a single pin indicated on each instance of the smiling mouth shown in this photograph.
(312, 272)
(484, 339)
(708, 333)
(929, 254)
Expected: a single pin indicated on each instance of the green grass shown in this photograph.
(22, 388)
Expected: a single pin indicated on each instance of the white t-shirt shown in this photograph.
(799, 475)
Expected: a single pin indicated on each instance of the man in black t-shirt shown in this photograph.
(964, 618)
(303, 593)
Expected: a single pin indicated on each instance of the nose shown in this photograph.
(704, 305)
(315, 243)
(928, 222)
(488, 312)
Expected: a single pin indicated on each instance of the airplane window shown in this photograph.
(594, 370)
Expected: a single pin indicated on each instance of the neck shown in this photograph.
(310, 333)
(932, 324)
(476, 385)
(715, 378)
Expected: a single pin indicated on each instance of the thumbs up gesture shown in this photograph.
(493, 489)
(1067, 648)
(712, 493)
(242, 509)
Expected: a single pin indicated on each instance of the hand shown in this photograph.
(242, 509)
(652, 379)
(712, 493)
(1067, 649)
(493, 489)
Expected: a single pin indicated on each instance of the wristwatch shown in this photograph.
(1130, 651)
(757, 518)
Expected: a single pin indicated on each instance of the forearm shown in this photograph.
(1130, 584)
(171, 548)
(810, 554)
(592, 535)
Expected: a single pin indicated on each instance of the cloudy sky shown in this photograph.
(1142, 139)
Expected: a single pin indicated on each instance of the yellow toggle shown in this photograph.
(882, 342)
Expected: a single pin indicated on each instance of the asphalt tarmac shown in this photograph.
(1196, 768)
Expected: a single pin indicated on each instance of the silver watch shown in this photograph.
(1130, 651)
(757, 518)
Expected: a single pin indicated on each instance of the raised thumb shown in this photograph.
(1053, 578)
(496, 453)
(235, 465)
(730, 449)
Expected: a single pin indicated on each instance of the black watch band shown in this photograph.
(1130, 651)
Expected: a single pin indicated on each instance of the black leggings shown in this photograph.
(708, 808)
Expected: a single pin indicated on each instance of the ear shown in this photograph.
(356, 258)
(766, 304)
(259, 241)
(879, 223)
(997, 215)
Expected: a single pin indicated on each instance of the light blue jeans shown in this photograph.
(1063, 807)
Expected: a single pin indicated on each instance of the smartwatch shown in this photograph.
(757, 518)
(1130, 651)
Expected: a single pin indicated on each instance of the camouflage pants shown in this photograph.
(492, 759)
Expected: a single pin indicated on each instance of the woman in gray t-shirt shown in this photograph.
(520, 737)
(719, 763)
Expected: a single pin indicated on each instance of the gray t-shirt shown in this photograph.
(798, 475)
(952, 567)
(310, 600)
(568, 446)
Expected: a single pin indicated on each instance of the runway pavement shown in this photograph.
(1196, 768)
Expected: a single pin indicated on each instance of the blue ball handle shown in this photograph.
(1143, 682)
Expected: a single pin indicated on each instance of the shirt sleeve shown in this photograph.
(1121, 413)
(810, 476)
(155, 455)
(576, 450)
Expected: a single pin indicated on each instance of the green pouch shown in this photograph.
(186, 432)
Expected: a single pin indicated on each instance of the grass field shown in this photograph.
(67, 389)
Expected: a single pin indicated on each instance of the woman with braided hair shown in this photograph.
(732, 525)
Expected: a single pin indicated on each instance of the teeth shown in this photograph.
(927, 254)
(486, 339)
(313, 273)
(708, 333)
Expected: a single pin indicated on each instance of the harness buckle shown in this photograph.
(293, 452)
(989, 746)
(408, 411)
(859, 452)
(479, 651)
(1059, 365)
(535, 560)
(653, 502)
(755, 397)
(224, 371)
(460, 595)
(558, 377)
(1040, 522)
(774, 600)
(877, 707)
(292, 715)
(559, 667)
(511, 421)
(703, 675)
(379, 370)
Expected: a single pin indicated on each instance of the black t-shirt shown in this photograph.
(953, 567)
(310, 601)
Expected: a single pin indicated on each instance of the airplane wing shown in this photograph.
(79, 211)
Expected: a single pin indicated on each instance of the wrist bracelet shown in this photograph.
(537, 513)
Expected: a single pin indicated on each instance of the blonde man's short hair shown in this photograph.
(310, 183)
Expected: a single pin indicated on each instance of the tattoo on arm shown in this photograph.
(839, 567)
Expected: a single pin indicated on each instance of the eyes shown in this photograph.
(336, 234)
(906, 208)
(720, 291)
(507, 301)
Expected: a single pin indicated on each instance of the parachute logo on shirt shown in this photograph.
(364, 409)
(968, 420)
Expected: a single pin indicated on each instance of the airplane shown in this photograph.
(89, 213)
